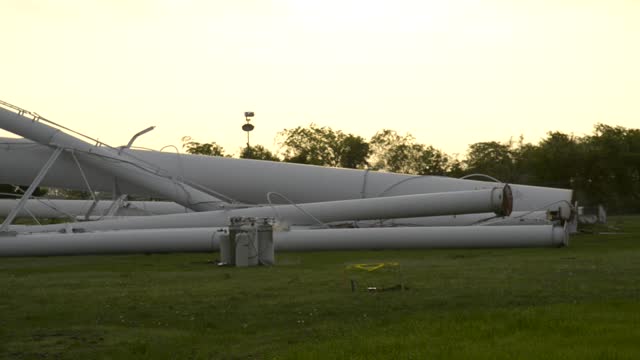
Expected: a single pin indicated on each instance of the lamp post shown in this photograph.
(248, 127)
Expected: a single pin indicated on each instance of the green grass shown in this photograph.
(580, 302)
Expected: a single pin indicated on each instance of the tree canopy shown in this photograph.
(396, 153)
(257, 152)
(194, 147)
(324, 146)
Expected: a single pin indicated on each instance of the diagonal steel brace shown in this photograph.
(27, 194)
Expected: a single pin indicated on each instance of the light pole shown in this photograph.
(248, 127)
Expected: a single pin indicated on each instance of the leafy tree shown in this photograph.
(257, 152)
(353, 152)
(401, 154)
(611, 173)
(555, 162)
(193, 147)
(323, 146)
(491, 158)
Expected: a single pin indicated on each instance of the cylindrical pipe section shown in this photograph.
(404, 206)
(422, 238)
(111, 242)
(204, 240)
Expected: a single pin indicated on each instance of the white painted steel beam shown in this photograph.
(111, 242)
(205, 240)
(482, 219)
(459, 202)
(423, 238)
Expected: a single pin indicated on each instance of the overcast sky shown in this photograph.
(450, 72)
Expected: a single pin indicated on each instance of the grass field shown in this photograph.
(580, 302)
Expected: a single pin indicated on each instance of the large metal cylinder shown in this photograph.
(111, 242)
(242, 249)
(422, 238)
(227, 257)
(203, 240)
(457, 202)
(235, 178)
(266, 248)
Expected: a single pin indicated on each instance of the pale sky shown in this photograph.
(450, 72)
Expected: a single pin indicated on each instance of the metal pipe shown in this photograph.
(205, 240)
(459, 202)
(422, 238)
(111, 242)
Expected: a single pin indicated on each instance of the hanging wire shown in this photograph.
(269, 194)
(482, 175)
(402, 182)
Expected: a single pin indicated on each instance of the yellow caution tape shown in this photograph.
(371, 267)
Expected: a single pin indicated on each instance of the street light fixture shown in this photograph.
(248, 127)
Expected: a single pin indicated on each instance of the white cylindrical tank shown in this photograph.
(224, 242)
(266, 249)
(252, 257)
(242, 249)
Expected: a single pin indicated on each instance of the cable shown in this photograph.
(402, 182)
(482, 175)
(294, 205)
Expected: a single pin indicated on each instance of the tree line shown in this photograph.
(602, 168)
